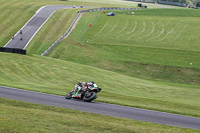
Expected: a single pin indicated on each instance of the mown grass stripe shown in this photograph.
(9, 72)
(30, 74)
(148, 33)
(124, 29)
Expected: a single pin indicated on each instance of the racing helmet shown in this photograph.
(84, 84)
(91, 84)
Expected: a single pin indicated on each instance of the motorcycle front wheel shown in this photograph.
(89, 96)
(68, 95)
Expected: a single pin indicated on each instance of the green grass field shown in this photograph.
(144, 45)
(141, 61)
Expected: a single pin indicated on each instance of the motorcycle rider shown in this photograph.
(90, 84)
(81, 86)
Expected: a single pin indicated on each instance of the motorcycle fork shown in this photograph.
(76, 93)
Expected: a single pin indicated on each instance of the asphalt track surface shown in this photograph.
(30, 29)
(101, 108)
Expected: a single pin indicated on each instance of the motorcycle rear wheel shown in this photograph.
(89, 97)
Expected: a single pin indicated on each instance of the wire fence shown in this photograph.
(78, 15)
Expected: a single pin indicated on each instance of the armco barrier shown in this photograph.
(70, 28)
(114, 8)
(12, 50)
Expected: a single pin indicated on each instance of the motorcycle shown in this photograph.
(87, 94)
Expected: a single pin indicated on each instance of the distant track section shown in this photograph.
(101, 108)
(30, 29)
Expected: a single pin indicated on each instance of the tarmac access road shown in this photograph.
(101, 108)
(30, 29)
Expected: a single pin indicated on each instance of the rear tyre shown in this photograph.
(68, 95)
(89, 97)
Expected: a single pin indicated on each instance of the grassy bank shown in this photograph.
(153, 44)
(24, 117)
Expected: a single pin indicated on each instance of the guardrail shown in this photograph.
(113, 8)
(70, 28)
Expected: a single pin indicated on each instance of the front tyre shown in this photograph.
(89, 96)
(68, 95)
